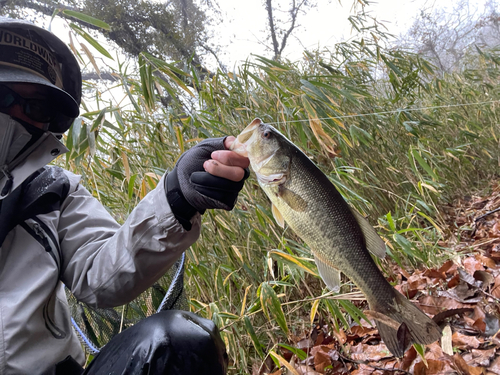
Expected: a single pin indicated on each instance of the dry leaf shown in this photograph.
(446, 343)
(434, 305)
(464, 367)
(496, 288)
(363, 370)
(480, 358)
(486, 261)
(495, 366)
(433, 368)
(464, 342)
(306, 370)
(364, 352)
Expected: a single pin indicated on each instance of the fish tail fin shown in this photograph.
(417, 327)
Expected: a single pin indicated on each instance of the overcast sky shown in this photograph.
(243, 24)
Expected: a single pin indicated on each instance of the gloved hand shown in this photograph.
(191, 189)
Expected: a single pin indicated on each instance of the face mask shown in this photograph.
(13, 138)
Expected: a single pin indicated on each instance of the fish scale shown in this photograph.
(327, 223)
(339, 237)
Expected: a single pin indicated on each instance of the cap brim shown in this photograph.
(62, 101)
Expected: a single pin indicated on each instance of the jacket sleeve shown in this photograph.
(105, 264)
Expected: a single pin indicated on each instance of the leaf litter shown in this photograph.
(462, 296)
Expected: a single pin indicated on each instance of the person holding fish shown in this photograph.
(53, 232)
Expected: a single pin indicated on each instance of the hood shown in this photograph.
(23, 152)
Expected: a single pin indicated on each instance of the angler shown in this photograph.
(54, 232)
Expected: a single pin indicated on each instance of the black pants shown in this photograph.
(171, 342)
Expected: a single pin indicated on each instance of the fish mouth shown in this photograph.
(244, 138)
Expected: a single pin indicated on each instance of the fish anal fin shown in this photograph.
(278, 216)
(295, 201)
(374, 244)
(330, 275)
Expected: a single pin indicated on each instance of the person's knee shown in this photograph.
(191, 341)
(168, 343)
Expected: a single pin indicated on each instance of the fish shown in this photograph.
(340, 238)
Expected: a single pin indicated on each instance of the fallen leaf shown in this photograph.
(454, 281)
(465, 368)
(306, 370)
(434, 351)
(468, 278)
(433, 368)
(364, 352)
(486, 261)
(358, 332)
(448, 267)
(496, 288)
(322, 357)
(464, 342)
(435, 274)
(408, 359)
(363, 370)
(446, 343)
(495, 366)
(463, 292)
(305, 344)
(492, 325)
(485, 277)
(480, 325)
(481, 358)
(448, 313)
(341, 336)
(434, 305)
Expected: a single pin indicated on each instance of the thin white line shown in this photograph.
(387, 112)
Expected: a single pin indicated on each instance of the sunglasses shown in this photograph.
(38, 110)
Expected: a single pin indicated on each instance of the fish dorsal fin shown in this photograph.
(373, 242)
(278, 216)
(330, 275)
(295, 201)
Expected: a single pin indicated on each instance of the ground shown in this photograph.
(462, 296)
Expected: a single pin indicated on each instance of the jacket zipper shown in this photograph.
(35, 229)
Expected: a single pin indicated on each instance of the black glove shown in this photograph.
(190, 189)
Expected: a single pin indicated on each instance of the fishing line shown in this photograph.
(389, 112)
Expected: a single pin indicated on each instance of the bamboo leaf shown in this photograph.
(424, 164)
(126, 166)
(243, 303)
(314, 310)
(271, 306)
(88, 19)
(91, 58)
(255, 341)
(283, 362)
(301, 263)
(302, 355)
(131, 186)
(94, 43)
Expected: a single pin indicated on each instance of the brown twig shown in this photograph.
(486, 214)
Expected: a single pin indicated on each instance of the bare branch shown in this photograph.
(269, 8)
(293, 13)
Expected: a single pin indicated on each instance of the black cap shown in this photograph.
(30, 54)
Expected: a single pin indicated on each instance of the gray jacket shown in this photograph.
(64, 236)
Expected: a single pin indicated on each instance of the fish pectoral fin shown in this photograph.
(295, 201)
(374, 244)
(330, 275)
(278, 216)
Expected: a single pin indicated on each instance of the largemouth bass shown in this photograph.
(339, 237)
